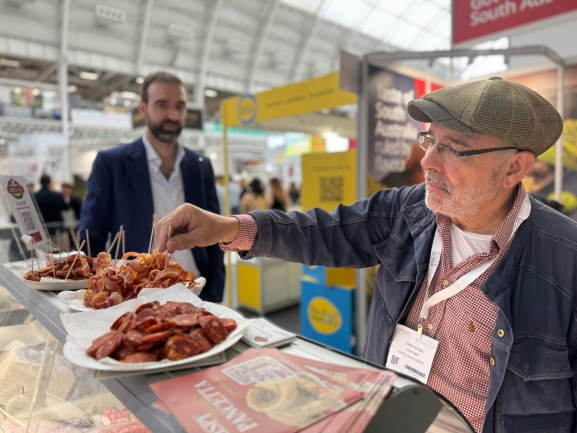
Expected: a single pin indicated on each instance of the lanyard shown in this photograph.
(470, 276)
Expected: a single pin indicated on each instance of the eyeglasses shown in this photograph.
(448, 153)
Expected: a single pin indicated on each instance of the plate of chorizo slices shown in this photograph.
(164, 328)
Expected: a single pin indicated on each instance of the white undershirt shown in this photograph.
(167, 195)
(465, 244)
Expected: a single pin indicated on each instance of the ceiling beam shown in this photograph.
(199, 88)
(262, 38)
(47, 72)
(297, 69)
(144, 36)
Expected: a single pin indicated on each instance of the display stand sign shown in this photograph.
(22, 205)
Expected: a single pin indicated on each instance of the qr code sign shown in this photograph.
(394, 359)
(28, 221)
(332, 189)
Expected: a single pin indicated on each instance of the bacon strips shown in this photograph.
(175, 330)
(82, 268)
(112, 285)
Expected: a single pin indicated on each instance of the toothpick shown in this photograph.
(123, 242)
(152, 232)
(73, 237)
(32, 257)
(88, 243)
(67, 242)
(58, 240)
(52, 256)
(112, 244)
(169, 235)
(118, 244)
(75, 257)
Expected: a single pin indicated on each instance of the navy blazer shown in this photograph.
(119, 193)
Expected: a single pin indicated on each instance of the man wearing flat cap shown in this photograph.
(475, 273)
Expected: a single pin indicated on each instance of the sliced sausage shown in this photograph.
(123, 351)
(214, 328)
(188, 308)
(201, 338)
(169, 311)
(185, 321)
(109, 345)
(134, 338)
(150, 305)
(229, 324)
(141, 357)
(147, 322)
(98, 342)
(164, 326)
(177, 348)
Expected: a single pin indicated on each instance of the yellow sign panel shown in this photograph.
(299, 98)
(324, 316)
(329, 179)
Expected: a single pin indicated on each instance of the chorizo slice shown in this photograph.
(164, 326)
(123, 351)
(141, 357)
(134, 338)
(147, 322)
(151, 305)
(118, 321)
(201, 338)
(188, 308)
(109, 345)
(97, 342)
(177, 348)
(229, 324)
(169, 311)
(206, 312)
(156, 338)
(214, 328)
(185, 321)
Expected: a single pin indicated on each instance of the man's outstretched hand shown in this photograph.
(189, 226)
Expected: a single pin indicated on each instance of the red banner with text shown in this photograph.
(473, 19)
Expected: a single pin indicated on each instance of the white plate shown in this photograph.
(83, 328)
(75, 300)
(54, 284)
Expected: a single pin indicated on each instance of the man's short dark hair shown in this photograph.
(45, 180)
(158, 77)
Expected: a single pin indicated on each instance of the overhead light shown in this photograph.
(139, 80)
(107, 13)
(210, 93)
(127, 103)
(238, 45)
(112, 101)
(129, 95)
(88, 75)
(2, 141)
(72, 89)
(36, 92)
(11, 63)
(17, 90)
(181, 32)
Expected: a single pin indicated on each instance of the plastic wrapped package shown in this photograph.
(42, 392)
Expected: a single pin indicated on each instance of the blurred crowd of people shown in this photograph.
(247, 196)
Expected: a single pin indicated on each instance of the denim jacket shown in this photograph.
(532, 385)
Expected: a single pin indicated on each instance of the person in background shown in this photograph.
(154, 175)
(233, 195)
(254, 199)
(71, 200)
(51, 204)
(279, 199)
(294, 193)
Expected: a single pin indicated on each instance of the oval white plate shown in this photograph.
(54, 284)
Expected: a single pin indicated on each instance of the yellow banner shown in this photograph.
(304, 97)
(329, 179)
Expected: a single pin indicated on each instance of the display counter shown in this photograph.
(411, 407)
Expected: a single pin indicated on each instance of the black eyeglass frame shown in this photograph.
(458, 153)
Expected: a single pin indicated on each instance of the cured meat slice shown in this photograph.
(141, 357)
(214, 328)
(188, 308)
(185, 321)
(150, 305)
(134, 338)
(109, 345)
(229, 324)
(123, 351)
(202, 339)
(177, 348)
(164, 326)
(118, 321)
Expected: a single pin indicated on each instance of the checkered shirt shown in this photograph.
(247, 231)
(465, 323)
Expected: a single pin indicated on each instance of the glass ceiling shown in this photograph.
(416, 25)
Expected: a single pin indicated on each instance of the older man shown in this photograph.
(474, 273)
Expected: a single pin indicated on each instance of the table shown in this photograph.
(398, 412)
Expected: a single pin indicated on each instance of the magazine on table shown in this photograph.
(262, 333)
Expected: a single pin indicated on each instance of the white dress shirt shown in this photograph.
(167, 195)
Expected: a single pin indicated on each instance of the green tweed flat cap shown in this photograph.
(502, 109)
